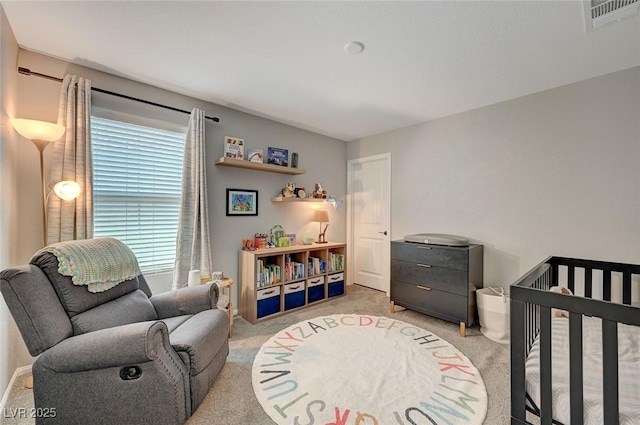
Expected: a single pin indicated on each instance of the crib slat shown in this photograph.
(519, 342)
(610, 371)
(545, 366)
(606, 285)
(571, 278)
(575, 368)
(626, 288)
(588, 277)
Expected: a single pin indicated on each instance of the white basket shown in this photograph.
(493, 310)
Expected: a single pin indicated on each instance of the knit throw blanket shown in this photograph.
(99, 264)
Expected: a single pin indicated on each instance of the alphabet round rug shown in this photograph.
(365, 370)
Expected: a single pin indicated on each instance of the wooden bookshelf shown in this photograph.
(262, 299)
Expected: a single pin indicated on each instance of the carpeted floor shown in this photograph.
(231, 400)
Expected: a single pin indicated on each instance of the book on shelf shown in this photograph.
(267, 274)
(316, 266)
(293, 270)
(278, 156)
(336, 262)
(255, 155)
(233, 148)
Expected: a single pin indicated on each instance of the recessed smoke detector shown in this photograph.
(354, 48)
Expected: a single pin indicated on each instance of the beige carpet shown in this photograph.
(231, 400)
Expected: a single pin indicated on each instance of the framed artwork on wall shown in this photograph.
(242, 202)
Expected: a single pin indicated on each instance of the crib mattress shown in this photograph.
(628, 371)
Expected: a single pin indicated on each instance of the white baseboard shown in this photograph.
(18, 372)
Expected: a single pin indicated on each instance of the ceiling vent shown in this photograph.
(600, 12)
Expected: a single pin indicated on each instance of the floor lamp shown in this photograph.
(41, 133)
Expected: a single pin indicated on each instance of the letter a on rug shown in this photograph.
(358, 369)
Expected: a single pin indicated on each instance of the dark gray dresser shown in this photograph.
(437, 280)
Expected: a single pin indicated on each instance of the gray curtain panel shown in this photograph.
(69, 220)
(193, 247)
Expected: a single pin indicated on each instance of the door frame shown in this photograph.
(350, 211)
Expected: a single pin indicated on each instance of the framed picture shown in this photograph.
(242, 202)
(278, 156)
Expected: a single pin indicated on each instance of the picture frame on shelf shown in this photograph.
(255, 155)
(278, 156)
(233, 147)
(242, 202)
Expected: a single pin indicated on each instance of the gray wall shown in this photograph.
(322, 157)
(12, 349)
(553, 173)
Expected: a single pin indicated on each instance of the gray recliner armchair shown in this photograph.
(123, 356)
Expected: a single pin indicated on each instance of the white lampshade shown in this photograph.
(38, 130)
(320, 216)
(67, 190)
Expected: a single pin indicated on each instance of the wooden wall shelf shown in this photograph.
(239, 163)
(283, 199)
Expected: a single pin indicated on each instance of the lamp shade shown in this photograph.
(67, 190)
(38, 130)
(321, 216)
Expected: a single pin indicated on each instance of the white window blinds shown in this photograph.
(137, 185)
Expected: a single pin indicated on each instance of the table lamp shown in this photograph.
(321, 216)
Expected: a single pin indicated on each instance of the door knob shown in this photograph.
(384, 233)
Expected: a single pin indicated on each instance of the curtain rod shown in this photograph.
(27, 71)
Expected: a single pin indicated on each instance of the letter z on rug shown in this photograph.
(357, 369)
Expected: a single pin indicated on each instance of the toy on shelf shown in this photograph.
(300, 192)
(289, 190)
(260, 240)
(319, 192)
(277, 232)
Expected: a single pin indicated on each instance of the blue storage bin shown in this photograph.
(268, 301)
(315, 289)
(293, 295)
(336, 284)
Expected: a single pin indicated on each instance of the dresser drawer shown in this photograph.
(447, 257)
(448, 280)
(451, 307)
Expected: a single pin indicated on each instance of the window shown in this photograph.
(137, 181)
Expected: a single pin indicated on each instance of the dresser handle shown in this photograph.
(423, 265)
(424, 288)
(423, 247)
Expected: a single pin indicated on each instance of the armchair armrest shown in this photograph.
(111, 347)
(188, 300)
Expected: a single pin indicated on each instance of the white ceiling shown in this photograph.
(285, 60)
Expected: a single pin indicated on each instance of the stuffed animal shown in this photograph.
(289, 190)
(319, 192)
(555, 312)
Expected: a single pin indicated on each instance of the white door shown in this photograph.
(369, 219)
